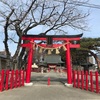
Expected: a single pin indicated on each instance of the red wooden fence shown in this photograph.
(11, 79)
(88, 81)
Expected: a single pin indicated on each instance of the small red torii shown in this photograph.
(66, 38)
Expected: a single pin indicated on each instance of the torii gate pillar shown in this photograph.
(68, 66)
(28, 69)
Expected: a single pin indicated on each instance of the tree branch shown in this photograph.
(6, 33)
(27, 12)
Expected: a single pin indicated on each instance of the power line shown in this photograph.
(85, 4)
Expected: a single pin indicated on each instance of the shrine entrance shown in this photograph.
(68, 42)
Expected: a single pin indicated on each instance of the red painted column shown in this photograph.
(28, 70)
(68, 64)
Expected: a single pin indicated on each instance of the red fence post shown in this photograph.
(19, 77)
(97, 82)
(78, 79)
(22, 73)
(12, 79)
(86, 75)
(7, 79)
(15, 81)
(16, 78)
(82, 79)
(2, 80)
(91, 81)
(74, 78)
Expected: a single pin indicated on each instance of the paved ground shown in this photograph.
(41, 91)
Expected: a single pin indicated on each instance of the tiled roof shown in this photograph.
(53, 59)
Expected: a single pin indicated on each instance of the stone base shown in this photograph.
(68, 85)
(28, 84)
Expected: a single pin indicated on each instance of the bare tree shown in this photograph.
(21, 16)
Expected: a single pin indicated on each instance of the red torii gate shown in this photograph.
(66, 38)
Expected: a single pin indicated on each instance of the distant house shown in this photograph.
(4, 63)
(92, 60)
(3, 60)
(51, 60)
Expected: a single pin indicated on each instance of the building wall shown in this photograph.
(3, 63)
(92, 60)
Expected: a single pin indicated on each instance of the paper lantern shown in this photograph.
(40, 51)
(57, 51)
(49, 51)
